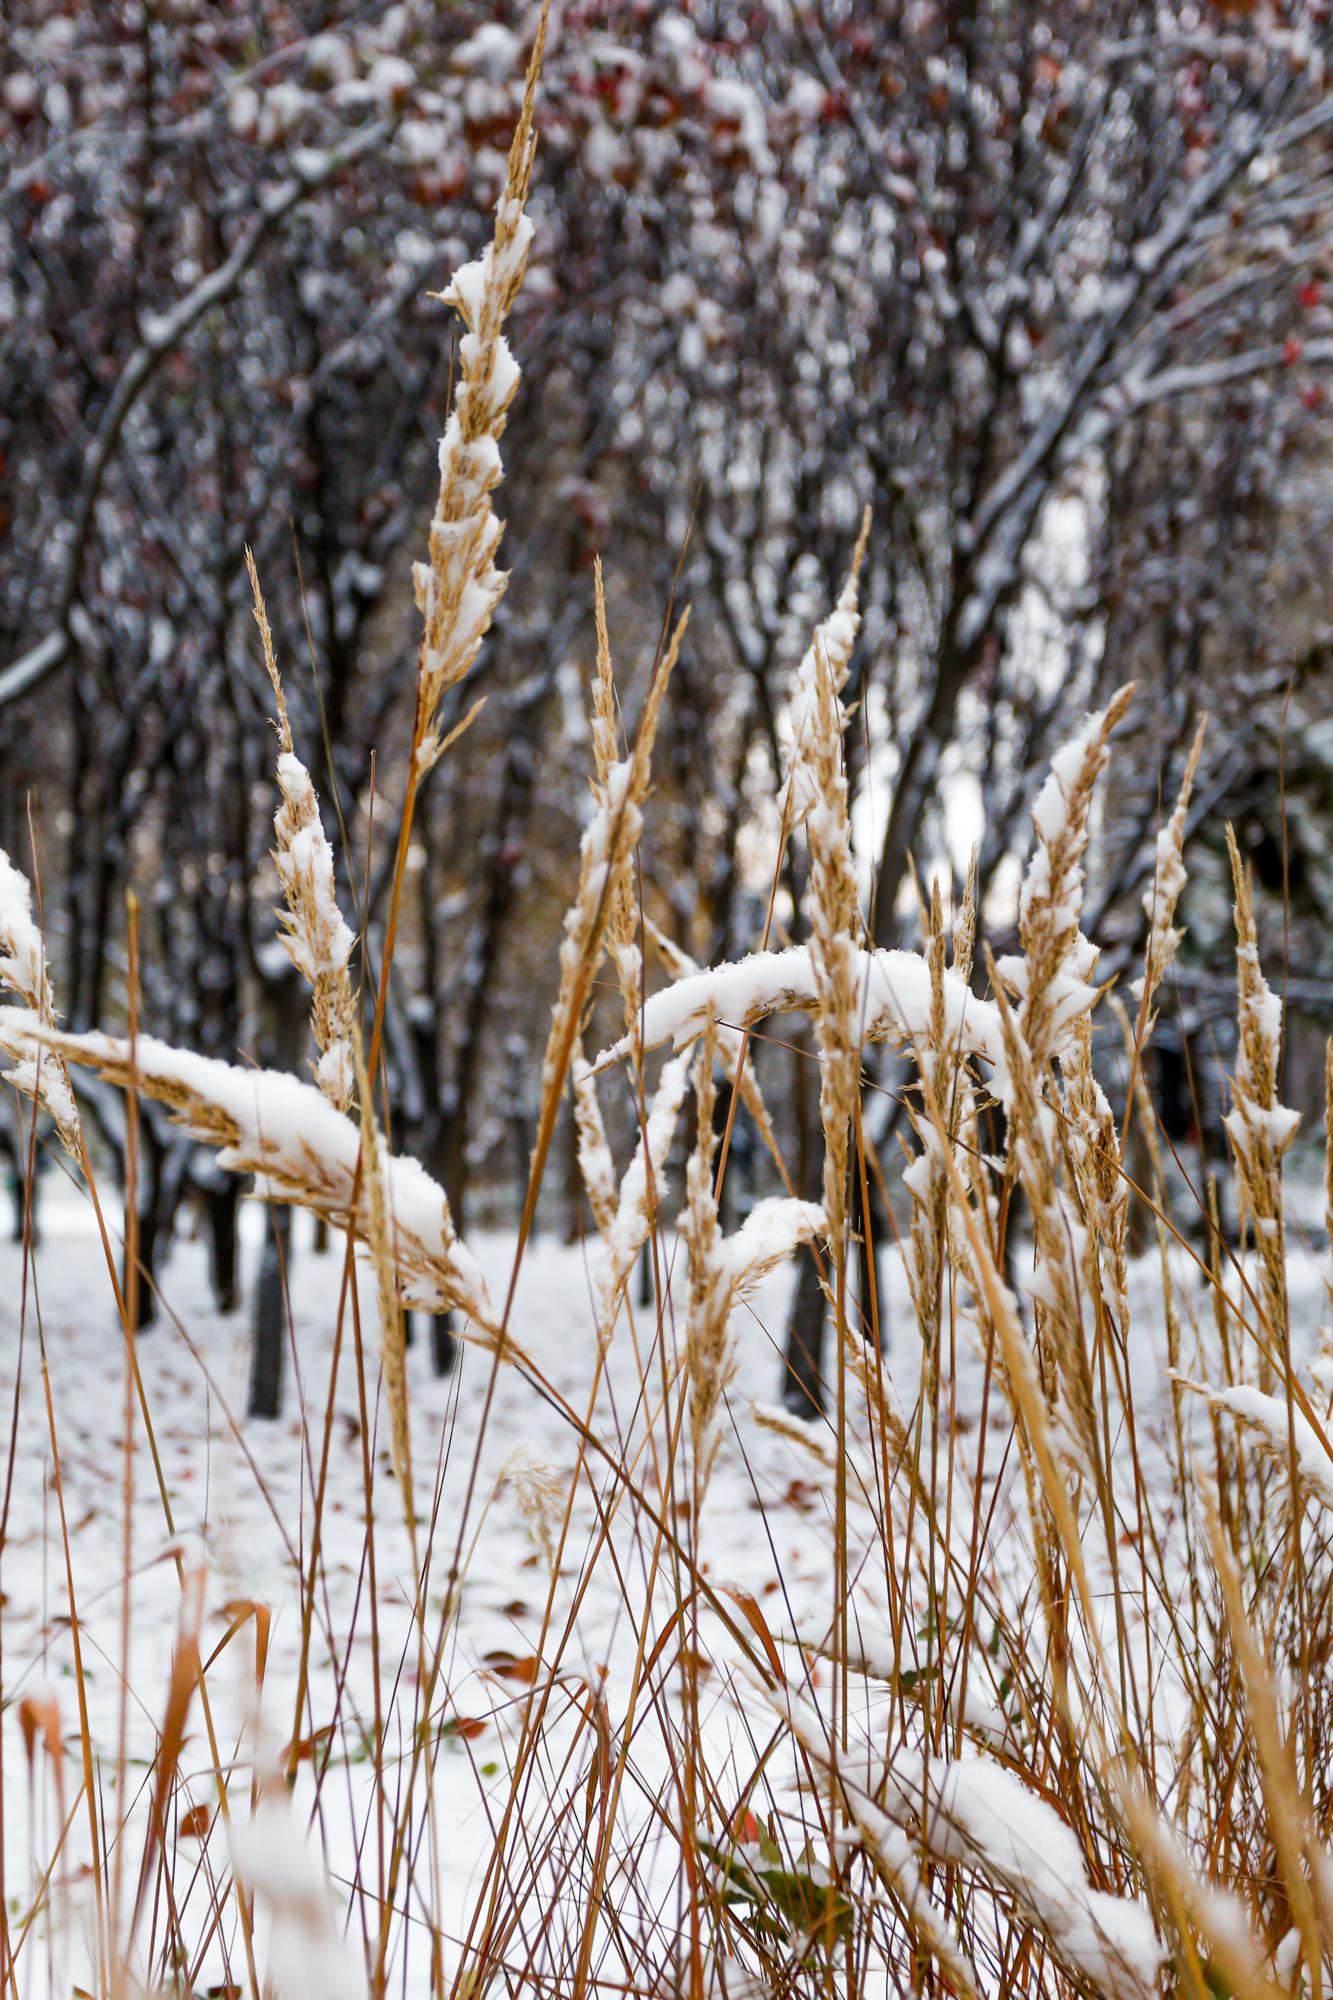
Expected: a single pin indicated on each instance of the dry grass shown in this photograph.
(1064, 1724)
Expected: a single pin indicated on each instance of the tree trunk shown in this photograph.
(270, 1317)
(803, 1361)
(149, 1239)
(443, 1344)
(567, 1139)
(222, 1204)
(802, 1385)
(163, 1156)
(282, 1043)
(868, 1302)
(19, 1192)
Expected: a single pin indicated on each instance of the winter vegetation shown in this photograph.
(789, 1447)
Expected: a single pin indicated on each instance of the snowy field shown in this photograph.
(240, 1495)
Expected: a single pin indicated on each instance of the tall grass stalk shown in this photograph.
(1056, 1720)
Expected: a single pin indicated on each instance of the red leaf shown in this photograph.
(469, 1727)
(512, 1668)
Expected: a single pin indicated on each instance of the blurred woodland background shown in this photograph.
(1048, 285)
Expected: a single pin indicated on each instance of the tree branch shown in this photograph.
(161, 337)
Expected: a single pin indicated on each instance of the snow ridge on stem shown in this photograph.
(301, 1150)
(894, 1003)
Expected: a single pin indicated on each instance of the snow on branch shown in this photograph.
(161, 337)
(301, 1150)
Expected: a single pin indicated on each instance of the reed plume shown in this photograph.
(315, 938)
(459, 586)
(39, 1073)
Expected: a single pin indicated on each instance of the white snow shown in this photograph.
(245, 1495)
(22, 959)
(895, 1001)
(390, 80)
(766, 1238)
(491, 47)
(1269, 1416)
(308, 1956)
(330, 59)
(985, 1815)
(287, 1133)
(315, 938)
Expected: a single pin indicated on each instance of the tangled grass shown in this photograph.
(1064, 1726)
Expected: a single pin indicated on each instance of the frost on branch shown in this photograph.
(40, 1075)
(300, 1150)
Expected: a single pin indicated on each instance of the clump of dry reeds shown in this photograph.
(1053, 1719)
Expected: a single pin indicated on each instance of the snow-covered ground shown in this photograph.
(240, 1494)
